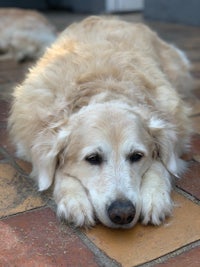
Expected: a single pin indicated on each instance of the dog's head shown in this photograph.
(107, 148)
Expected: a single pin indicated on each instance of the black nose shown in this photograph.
(121, 212)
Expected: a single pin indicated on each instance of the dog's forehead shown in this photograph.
(109, 118)
(116, 127)
(108, 113)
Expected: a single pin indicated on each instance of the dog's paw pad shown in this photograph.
(76, 211)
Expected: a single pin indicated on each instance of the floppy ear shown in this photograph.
(165, 140)
(45, 151)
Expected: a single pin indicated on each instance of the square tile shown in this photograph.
(195, 145)
(145, 243)
(188, 259)
(37, 239)
(5, 144)
(17, 193)
(190, 181)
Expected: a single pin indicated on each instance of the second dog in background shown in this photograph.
(24, 34)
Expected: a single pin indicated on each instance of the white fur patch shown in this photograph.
(156, 123)
(183, 56)
(44, 182)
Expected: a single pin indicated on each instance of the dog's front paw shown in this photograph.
(76, 210)
(156, 206)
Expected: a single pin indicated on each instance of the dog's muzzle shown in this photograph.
(121, 212)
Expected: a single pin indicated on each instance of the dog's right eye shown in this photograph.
(135, 156)
(94, 159)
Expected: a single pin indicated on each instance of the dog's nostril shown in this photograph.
(117, 219)
(130, 218)
(121, 212)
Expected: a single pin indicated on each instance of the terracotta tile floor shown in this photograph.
(30, 234)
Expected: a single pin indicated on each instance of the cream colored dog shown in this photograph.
(24, 34)
(99, 117)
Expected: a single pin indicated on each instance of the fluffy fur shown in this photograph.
(100, 117)
(24, 34)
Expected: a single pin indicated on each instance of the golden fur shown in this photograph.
(24, 34)
(107, 90)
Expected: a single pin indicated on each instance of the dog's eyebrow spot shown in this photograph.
(89, 150)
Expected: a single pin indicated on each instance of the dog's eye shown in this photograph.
(135, 156)
(94, 159)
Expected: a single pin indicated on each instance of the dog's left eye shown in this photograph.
(135, 156)
(94, 159)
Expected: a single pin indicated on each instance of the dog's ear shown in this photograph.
(45, 151)
(165, 145)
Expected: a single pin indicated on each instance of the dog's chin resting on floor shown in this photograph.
(100, 117)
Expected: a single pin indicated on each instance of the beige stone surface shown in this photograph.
(145, 243)
(17, 193)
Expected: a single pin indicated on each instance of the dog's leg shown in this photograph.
(155, 195)
(72, 201)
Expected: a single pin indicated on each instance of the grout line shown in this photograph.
(102, 259)
(13, 163)
(187, 195)
(171, 255)
(24, 212)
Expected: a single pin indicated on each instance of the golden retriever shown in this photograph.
(100, 118)
(24, 34)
